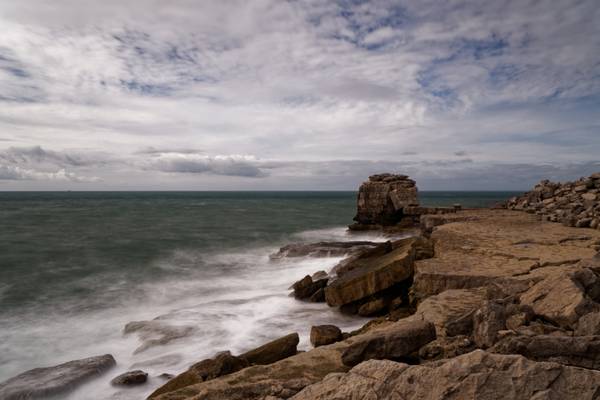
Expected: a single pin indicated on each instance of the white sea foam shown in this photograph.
(233, 301)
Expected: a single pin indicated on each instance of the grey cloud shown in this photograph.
(243, 166)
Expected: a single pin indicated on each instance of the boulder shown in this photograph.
(41, 383)
(322, 249)
(222, 364)
(398, 340)
(382, 198)
(322, 335)
(476, 375)
(561, 298)
(130, 378)
(370, 275)
(578, 351)
(305, 288)
(273, 351)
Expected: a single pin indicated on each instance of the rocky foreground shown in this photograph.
(482, 304)
(475, 304)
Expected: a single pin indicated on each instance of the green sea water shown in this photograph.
(76, 266)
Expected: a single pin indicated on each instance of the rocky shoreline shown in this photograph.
(484, 303)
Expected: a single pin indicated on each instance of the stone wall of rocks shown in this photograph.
(574, 204)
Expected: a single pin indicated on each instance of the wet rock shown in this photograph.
(318, 296)
(322, 249)
(398, 340)
(130, 378)
(156, 333)
(371, 275)
(322, 335)
(273, 351)
(476, 375)
(306, 287)
(579, 351)
(382, 198)
(222, 364)
(41, 383)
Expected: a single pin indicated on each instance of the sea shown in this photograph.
(77, 267)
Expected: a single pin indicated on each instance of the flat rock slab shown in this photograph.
(578, 351)
(41, 383)
(322, 249)
(371, 275)
(476, 375)
(474, 248)
(398, 340)
(561, 297)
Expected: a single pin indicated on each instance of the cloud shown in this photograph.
(117, 89)
(35, 163)
(16, 173)
(190, 163)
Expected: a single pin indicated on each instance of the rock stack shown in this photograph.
(575, 204)
(382, 199)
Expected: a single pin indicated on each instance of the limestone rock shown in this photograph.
(579, 351)
(370, 275)
(322, 335)
(476, 375)
(398, 340)
(273, 351)
(446, 347)
(130, 378)
(588, 325)
(507, 249)
(488, 320)
(222, 364)
(41, 383)
(305, 288)
(561, 298)
(282, 379)
(372, 307)
(574, 204)
(382, 198)
(322, 249)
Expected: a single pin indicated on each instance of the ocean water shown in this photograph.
(76, 267)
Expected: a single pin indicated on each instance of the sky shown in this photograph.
(298, 94)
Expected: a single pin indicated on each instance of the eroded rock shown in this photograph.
(398, 340)
(382, 198)
(579, 351)
(476, 375)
